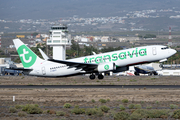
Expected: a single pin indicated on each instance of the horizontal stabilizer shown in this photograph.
(22, 69)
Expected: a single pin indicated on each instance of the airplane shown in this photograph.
(144, 69)
(116, 61)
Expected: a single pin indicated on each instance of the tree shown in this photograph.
(35, 33)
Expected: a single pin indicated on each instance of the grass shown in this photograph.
(22, 114)
(133, 80)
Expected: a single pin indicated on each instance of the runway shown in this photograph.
(90, 86)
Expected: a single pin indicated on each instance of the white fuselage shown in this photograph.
(121, 58)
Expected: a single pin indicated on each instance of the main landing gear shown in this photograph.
(136, 73)
(92, 76)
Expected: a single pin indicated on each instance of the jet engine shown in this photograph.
(103, 67)
(121, 69)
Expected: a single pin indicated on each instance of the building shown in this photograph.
(20, 36)
(105, 39)
(59, 39)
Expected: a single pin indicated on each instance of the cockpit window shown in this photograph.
(164, 48)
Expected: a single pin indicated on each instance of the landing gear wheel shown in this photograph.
(136, 73)
(92, 77)
(100, 76)
(150, 74)
(155, 73)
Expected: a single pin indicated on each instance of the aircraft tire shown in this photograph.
(136, 73)
(150, 74)
(92, 77)
(100, 76)
(155, 73)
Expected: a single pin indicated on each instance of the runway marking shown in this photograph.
(91, 86)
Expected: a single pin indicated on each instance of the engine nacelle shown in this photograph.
(121, 69)
(103, 67)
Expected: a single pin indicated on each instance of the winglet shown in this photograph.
(93, 53)
(43, 54)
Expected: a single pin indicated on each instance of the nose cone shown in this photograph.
(173, 51)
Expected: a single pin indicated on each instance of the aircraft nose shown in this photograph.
(173, 51)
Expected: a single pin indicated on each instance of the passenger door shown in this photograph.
(43, 70)
(154, 51)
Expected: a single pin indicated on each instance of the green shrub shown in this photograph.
(48, 111)
(121, 116)
(172, 106)
(60, 113)
(122, 107)
(67, 105)
(102, 101)
(137, 106)
(135, 116)
(176, 114)
(32, 109)
(139, 114)
(157, 102)
(108, 100)
(91, 111)
(12, 110)
(99, 113)
(21, 114)
(104, 108)
(78, 110)
(52, 112)
(36, 105)
(148, 107)
(131, 106)
(18, 106)
(125, 101)
(93, 101)
(76, 106)
(157, 113)
(94, 111)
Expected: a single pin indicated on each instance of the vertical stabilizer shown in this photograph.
(28, 58)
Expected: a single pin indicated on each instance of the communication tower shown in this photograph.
(0, 41)
(170, 38)
(59, 39)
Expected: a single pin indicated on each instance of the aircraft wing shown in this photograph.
(78, 65)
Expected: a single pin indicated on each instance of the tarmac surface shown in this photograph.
(91, 86)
